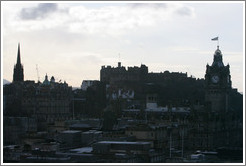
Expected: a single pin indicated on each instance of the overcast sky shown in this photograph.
(71, 41)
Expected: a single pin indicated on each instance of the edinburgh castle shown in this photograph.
(141, 115)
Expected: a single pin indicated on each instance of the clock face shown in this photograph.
(215, 79)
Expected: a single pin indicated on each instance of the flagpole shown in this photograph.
(216, 38)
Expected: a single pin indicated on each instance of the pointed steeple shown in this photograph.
(18, 68)
(18, 55)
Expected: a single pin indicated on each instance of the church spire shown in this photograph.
(18, 68)
(18, 55)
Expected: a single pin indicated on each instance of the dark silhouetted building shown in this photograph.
(142, 116)
(18, 69)
(218, 84)
(222, 119)
(130, 86)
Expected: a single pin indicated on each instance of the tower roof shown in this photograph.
(18, 55)
(46, 81)
(18, 68)
(218, 58)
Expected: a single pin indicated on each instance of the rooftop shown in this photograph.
(124, 142)
(70, 131)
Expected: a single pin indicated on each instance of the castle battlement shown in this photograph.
(111, 74)
(120, 73)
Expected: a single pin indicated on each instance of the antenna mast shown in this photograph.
(37, 73)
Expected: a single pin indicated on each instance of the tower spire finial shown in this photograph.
(18, 55)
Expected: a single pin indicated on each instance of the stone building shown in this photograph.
(15, 128)
(218, 84)
(155, 134)
(88, 83)
(127, 87)
(48, 102)
(111, 75)
(223, 106)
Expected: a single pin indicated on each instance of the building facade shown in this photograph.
(218, 83)
(48, 102)
(222, 119)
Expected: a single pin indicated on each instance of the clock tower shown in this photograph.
(217, 84)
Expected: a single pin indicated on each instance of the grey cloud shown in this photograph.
(41, 11)
(153, 5)
(184, 11)
(180, 10)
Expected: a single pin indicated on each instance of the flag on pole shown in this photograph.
(216, 38)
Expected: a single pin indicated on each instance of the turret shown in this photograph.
(218, 58)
